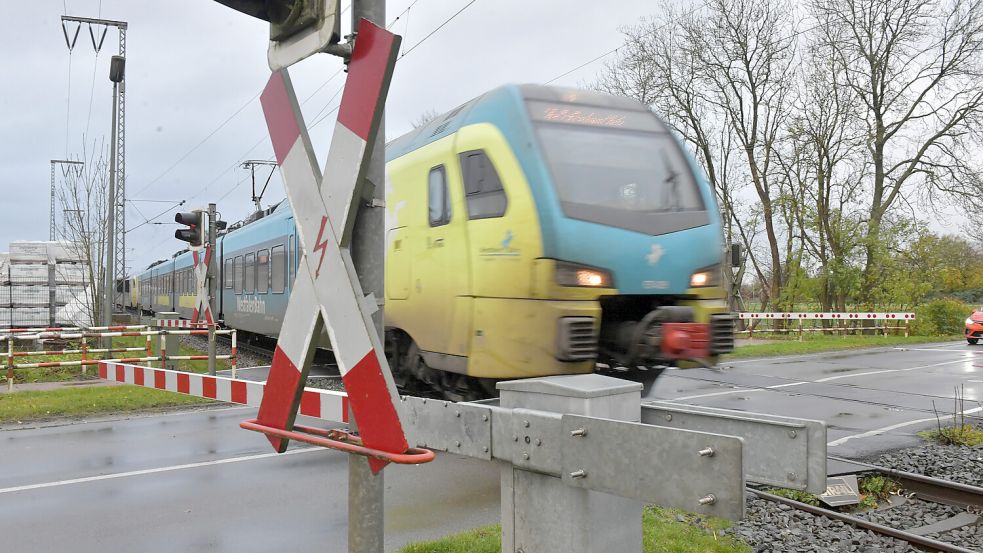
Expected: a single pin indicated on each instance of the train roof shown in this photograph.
(510, 96)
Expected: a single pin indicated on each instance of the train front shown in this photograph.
(630, 225)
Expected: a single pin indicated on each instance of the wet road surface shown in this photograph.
(871, 400)
(193, 481)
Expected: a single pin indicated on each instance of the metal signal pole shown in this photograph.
(366, 491)
(116, 70)
(212, 283)
(118, 144)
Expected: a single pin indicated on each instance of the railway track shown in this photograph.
(921, 488)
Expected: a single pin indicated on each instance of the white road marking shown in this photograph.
(155, 470)
(939, 350)
(879, 431)
(877, 349)
(740, 390)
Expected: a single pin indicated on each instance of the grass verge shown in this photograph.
(663, 531)
(74, 401)
(782, 345)
(966, 434)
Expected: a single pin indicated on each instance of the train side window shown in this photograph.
(262, 271)
(238, 274)
(482, 186)
(439, 197)
(228, 273)
(250, 286)
(278, 269)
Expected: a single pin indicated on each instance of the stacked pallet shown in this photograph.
(4, 289)
(38, 280)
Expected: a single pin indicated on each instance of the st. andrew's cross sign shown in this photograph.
(326, 293)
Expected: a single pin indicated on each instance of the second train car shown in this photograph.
(532, 231)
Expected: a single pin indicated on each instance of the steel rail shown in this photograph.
(252, 348)
(914, 539)
(936, 490)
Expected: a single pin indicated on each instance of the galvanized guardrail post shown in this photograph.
(541, 513)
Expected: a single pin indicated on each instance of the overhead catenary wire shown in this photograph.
(161, 214)
(439, 27)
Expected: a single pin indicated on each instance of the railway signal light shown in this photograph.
(193, 234)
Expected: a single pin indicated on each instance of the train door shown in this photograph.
(441, 272)
(504, 233)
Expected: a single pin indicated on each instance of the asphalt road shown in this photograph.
(871, 400)
(193, 481)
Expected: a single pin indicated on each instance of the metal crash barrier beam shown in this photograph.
(781, 451)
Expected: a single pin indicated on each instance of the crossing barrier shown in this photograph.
(827, 322)
(84, 351)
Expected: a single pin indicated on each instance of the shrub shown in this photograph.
(942, 317)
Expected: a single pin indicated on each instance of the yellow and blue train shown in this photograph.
(531, 231)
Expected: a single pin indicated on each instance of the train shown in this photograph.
(531, 231)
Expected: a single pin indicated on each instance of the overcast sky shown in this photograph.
(191, 64)
(194, 72)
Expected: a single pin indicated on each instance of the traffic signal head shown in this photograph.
(193, 234)
(298, 28)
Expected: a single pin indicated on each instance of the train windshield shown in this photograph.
(618, 167)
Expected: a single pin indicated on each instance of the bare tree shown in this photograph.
(916, 67)
(83, 196)
(826, 169)
(723, 79)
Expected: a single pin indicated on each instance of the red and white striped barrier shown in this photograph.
(85, 351)
(848, 316)
(115, 334)
(60, 329)
(179, 323)
(841, 322)
(326, 405)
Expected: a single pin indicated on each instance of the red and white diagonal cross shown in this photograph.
(202, 302)
(326, 290)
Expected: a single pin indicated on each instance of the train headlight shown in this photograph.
(570, 274)
(709, 276)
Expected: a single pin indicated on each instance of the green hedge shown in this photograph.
(941, 317)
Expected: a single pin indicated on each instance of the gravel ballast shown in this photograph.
(962, 464)
(772, 527)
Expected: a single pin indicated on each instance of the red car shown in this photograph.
(974, 326)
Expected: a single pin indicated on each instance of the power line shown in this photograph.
(585, 64)
(161, 214)
(439, 27)
(200, 143)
